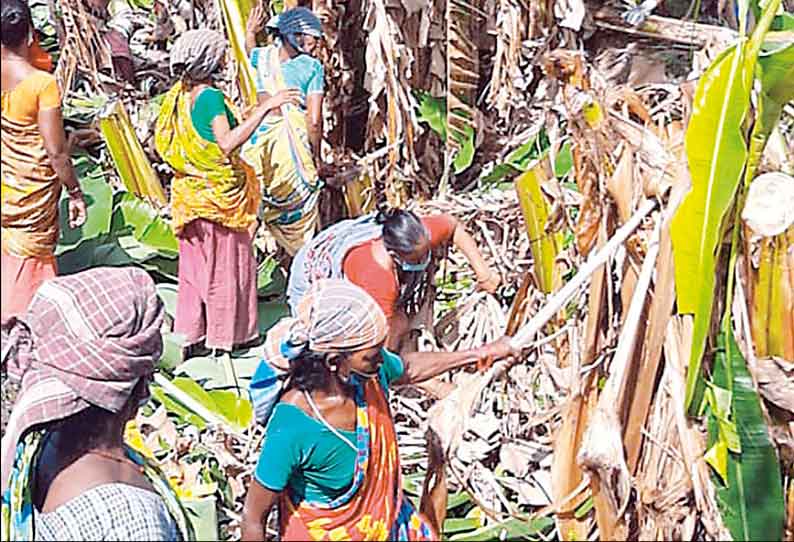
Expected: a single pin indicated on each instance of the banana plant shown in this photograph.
(717, 154)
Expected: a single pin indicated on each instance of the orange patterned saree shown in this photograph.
(374, 508)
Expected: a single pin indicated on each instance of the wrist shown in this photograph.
(485, 276)
(481, 352)
(74, 191)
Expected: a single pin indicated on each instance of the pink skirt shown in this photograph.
(21, 277)
(216, 300)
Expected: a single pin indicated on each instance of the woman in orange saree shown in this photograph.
(34, 165)
(330, 460)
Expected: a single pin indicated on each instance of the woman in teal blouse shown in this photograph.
(330, 458)
(285, 149)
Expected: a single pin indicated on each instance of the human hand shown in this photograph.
(290, 95)
(498, 349)
(256, 20)
(490, 282)
(77, 209)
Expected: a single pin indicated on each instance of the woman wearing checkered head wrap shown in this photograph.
(83, 356)
(330, 454)
(284, 151)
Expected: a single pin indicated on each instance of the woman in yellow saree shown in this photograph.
(34, 164)
(285, 149)
(214, 196)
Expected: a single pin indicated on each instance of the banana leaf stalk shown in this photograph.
(769, 227)
(360, 196)
(132, 164)
(544, 245)
(235, 14)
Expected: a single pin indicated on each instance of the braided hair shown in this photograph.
(403, 233)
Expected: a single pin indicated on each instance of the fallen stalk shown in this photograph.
(524, 336)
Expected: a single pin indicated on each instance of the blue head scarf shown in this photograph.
(299, 20)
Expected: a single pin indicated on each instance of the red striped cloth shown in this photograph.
(86, 339)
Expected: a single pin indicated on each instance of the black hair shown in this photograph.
(310, 371)
(15, 22)
(403, 232)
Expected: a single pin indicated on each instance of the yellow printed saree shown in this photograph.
(30, 187)
(207, 184)
(280, 153)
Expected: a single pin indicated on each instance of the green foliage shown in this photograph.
(519, 159)
(750, 494)
(716, 153)
(270, 279)
(563, 162)
(776, 75)
(433, 112)
(120, 230)
(99, 202)
(512, 529)
(226, 405)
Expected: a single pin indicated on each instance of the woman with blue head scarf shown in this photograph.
(285, 150)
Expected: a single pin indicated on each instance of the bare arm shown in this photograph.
(229, 139)
(256, 19)
(56, 145)
(486, 277)
(258, 503)
(421, 366)
(398, 328)
(314, 124)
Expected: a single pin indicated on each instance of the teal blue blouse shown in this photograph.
(303, 72)
(302, 454)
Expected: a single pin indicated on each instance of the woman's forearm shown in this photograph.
(252, 530)
(466, 243)
(421, 366)
(62, 165)
(250, 43)
(231, 139)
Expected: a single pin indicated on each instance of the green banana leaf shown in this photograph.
(98, 199)
(146, 225)
(218, 405)
(512, 529)
(433, 112)
(716, 153)
(776, 74)
(750, 497)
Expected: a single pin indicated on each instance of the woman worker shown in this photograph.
(386, 253)
(214, 196)
(285, 149)
(34, 165)
(83, 356)
(330, 459)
